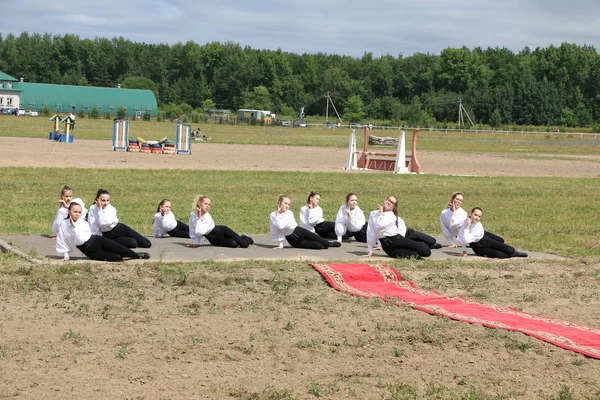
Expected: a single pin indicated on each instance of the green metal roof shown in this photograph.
(65, 98)
(7, 77)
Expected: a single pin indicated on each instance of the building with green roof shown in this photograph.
(73, 99)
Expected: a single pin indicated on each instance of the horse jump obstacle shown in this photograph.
(121, 140)
(62, 136)
(399, 163)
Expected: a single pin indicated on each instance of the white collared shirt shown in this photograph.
(102, 220)
(63, 212)
(472, 235)
(383, 225)
(282, 225)
(344, 223)
(451, 224)
(70, 236)
(163, 223)
(309, 217)
(200, 226)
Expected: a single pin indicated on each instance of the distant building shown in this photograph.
(73, 99)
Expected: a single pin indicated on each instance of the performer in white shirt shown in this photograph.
(202, 224)
(74, 231)
(283, 227)
(484, 244)
(452, 218)
(103, 221)
(164, 222)
(350, 221)
(311, 218)
(385, 225)
(66, 196)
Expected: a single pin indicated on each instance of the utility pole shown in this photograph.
(461, 120)
(327, 108)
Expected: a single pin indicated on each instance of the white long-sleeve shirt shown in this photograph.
(344, 223)
(380, 226)
(451, 224)
(309, 217)
(63, 212)
(200, 226)
(471, 235)
(102, 220)
(163, 223)
(70, 236)
(282, 225)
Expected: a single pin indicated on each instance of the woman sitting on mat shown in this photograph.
(350, 221)
(66, 196)
(202, 224)
(74, 231)
(104, 222)
(452, 218)
(164, 222)
(311, 218)
(484, 244)
(283, 226)
(385, 225)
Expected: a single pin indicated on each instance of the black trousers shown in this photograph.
(304, 239)
(402, 247)
(180, 231)
(492, 246)
(223, 236)
(127, 237)
(326, 230)
(420, 237)
(102, 249)
(359, 236)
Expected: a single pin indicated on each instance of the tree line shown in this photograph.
(546, 86)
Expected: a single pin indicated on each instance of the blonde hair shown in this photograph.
(280, 199)
(65, 189)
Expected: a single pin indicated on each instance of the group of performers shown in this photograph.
(100, 236)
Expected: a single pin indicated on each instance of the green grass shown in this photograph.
(556, 215)
(514, 143)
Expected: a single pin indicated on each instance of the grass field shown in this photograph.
(543, 214)
(230, 134)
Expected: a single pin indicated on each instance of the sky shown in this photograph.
(344, 27)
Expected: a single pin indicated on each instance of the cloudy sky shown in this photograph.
(348, 27)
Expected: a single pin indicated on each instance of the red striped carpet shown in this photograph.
(366, 280)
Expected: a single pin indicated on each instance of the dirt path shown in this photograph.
(27, 152)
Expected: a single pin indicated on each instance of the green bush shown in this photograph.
(146, 116)
(45, 111)
(121, 112)
(95, 113)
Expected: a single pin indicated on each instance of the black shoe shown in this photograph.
(143, 255)
(334, 243)
(248, 238)
(436, 246)
(519, 254)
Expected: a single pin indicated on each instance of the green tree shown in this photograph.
(207, 105)
(353, 110)
(140, 82)
(495, 119)
(257, 99)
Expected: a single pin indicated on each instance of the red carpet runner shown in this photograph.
(385, 282)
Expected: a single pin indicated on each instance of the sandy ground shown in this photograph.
(266, 329)
(27, 152)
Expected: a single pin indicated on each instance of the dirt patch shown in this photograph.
(278, 331)
(27, 152)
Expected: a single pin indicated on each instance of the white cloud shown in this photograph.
(349, 27)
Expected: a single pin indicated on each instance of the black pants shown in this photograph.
(359, 236)
(492, 246)
(326, 230)
(127, 237)
(180, 231)
(102, 249)
(304, 239)
(223, 236)
(401, 247)
(420, 237)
